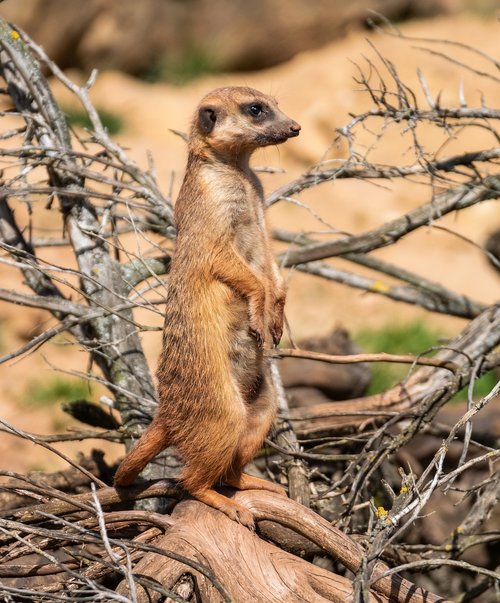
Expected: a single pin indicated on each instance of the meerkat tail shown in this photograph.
(151, 443)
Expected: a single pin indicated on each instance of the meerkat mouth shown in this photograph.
(270, 139)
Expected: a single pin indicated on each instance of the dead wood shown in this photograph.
(199, 533)
(337, 382)
(252, 569)
(67, 480)
(481, 335)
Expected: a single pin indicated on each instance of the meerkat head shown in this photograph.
(234, 121)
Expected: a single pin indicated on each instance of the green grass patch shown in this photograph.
(111, 121)
(181, 70)
(56, 390)
(410, 338)
(482, 387)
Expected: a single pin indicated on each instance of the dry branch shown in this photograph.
(455, 199)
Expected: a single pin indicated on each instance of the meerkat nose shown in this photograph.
(294, 128)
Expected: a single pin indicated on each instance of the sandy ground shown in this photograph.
(318, 90)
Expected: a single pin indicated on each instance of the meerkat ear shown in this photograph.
(206, 119)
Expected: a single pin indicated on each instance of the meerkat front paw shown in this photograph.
(257, 330)
(258, 335)
(276, 330)
(277, 318)
(276, 323)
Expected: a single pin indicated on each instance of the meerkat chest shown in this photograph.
(248, 222)
(236, 199)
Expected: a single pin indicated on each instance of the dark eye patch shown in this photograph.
(257, 110)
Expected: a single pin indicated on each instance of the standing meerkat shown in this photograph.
(224, 304)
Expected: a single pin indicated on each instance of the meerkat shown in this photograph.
(224, 305)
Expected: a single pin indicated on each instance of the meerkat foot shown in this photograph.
(241, 515)
(249, 482)
(227, 506)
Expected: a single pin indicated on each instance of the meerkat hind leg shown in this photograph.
(227, 506)
(243, 481)
(260, 417)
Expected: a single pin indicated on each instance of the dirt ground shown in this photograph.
(317, 89)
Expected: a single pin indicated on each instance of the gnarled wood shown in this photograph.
(250, 568)
(254, 570)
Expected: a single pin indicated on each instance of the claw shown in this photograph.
(276, 333)
(241, 515)
(247, 520)
(257, 335)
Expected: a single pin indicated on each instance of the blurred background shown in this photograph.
(156, 58)
(178, 40)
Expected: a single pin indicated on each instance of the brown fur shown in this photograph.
(224, 303)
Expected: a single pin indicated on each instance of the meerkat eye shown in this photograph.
(256, 109)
